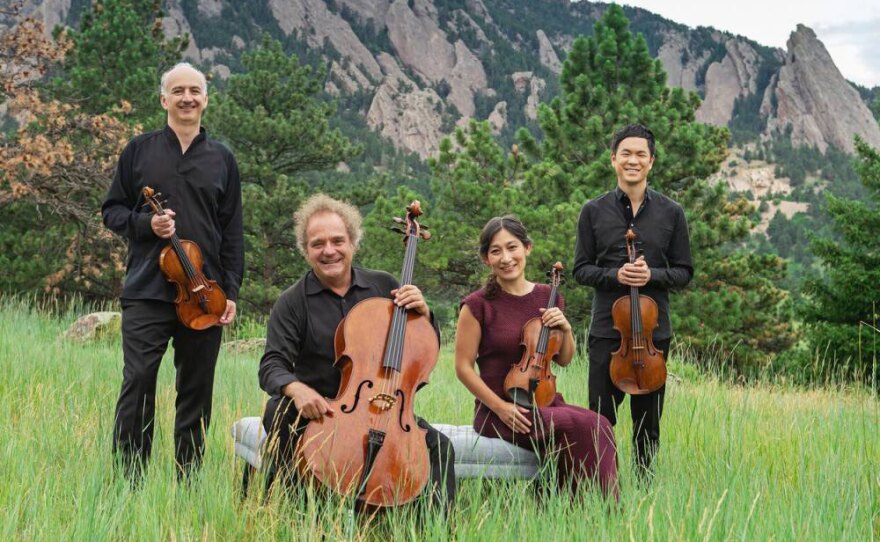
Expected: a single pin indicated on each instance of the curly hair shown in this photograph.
(322, 203)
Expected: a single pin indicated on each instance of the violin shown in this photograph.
(637, 367)
(371, 448)
(200, 302)
(530, 382)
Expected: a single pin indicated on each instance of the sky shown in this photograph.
(850, 29)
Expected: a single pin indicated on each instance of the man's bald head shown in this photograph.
(180, 68)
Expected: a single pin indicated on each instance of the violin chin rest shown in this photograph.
(203, 322)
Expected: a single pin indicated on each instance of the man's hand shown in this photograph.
(228, 314)
(163, 225)
(411, 298)
(634, 274)
(308, 402)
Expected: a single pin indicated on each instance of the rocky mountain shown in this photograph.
(421, 66)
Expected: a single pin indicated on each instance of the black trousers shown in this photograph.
(147, 327)
(646, 409)
(284, 427)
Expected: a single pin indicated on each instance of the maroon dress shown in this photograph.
(583, 439)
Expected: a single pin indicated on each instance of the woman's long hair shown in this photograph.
(516, 228)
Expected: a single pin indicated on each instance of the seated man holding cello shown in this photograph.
(632, 216)
(297, 369)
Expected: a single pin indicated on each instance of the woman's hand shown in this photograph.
(554, 318)
(513, 416)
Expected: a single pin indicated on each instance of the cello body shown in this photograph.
(371, 448)
(334, 449)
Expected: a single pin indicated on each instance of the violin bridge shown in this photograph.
(384, 401)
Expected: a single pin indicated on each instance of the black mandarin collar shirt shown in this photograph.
(203, 188)
(300, 341)
(600, 250)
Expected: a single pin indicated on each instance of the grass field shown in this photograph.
(736, 463)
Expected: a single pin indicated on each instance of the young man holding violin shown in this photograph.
(199, 177)
(601, 261)
(297, 369)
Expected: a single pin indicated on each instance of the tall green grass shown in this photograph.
(763, 462)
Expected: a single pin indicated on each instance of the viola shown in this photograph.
(371, 448)
(637, 367)
(530, 382)
(200, 301)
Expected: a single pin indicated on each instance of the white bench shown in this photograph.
(475, 456)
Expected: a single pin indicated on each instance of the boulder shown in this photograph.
(97, 325)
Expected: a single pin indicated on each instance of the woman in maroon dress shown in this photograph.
(489, 335)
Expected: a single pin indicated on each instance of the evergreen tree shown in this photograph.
(609, 80)
(843, 308)
(474, 180)
(118, 54)
(272, 118)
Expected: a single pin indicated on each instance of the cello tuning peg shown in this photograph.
(425, 235)
(422, 226)
(396, 229)
(399, 220)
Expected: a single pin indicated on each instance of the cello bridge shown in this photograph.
(383, 401)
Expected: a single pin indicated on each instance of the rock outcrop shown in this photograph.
(535, 85)
(735, 76)
(400, 111)
(498, 117)
(680, 63)
(813, 98)
(312, 20)
(546, 53)
(422, 46)
(94, 326)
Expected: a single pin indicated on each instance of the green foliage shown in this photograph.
(609, 80)
(119, 53)
(843, 308)
(272, 118)
(472, 183)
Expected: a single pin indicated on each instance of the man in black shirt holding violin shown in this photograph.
(199, 177)
(601, 261)
(297, 368)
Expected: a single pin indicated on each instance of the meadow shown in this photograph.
(767, 461)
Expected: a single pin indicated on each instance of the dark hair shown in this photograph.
(633, 130)
(516, 228)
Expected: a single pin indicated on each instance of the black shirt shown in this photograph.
(660, 227)
(300, 342)
(201, 186)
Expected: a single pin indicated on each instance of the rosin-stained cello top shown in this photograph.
(371, 447)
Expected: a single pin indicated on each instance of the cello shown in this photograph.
(200, 301)
(530, 382)
(637, 367)
(371, 448)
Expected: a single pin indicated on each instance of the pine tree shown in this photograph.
(474, 180)
(607, 81)
(279, 130)
(118, 54)
(843, 308)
